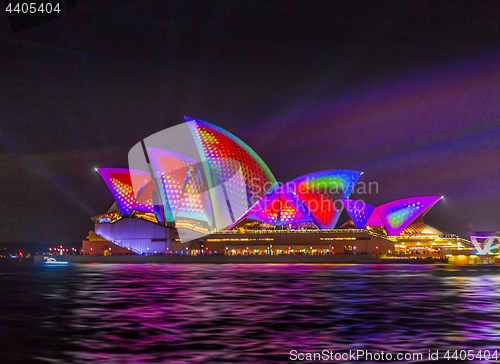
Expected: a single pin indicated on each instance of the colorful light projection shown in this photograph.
(193, 200)
(229, 182)
(180, 185)
(144, 201)
(280, 207)
(394, 216)
(309, 198)
(237, 177)
(360, 212)
(375, 219)
(201, 172)
(121, 182)
(320, 192)
(397, 215)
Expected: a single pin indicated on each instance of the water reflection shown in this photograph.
(239, 313)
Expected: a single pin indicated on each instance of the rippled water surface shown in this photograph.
(238, 313)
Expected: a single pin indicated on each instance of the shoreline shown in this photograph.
(243, 259)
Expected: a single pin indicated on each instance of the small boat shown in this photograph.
(54, 261)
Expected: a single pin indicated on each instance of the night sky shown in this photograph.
(407, 92)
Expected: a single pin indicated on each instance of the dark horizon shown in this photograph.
(407, 93)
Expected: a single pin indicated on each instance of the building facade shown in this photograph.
(209, 193)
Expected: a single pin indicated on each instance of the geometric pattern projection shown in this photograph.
(226, 182)
(280, 207)
(320, 193)
(310, 198)
(233, 182)
(191, 203)
(291, 212)
(233, 165)
(397, 215)
(144, 201)
(375, 219)
(359, 212)
(177, 177)
(120, 182)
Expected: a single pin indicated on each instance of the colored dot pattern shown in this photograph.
(268, 210)
(119, 182)
(397, 215)
(179, 184)
(231, 162)
(309, 198)
(191, 202)
(144, 200)
(320, 192)
(359, 212)
(400, 215)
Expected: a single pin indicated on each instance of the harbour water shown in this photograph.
(96, 313)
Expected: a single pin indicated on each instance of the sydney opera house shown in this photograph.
(197, 189)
